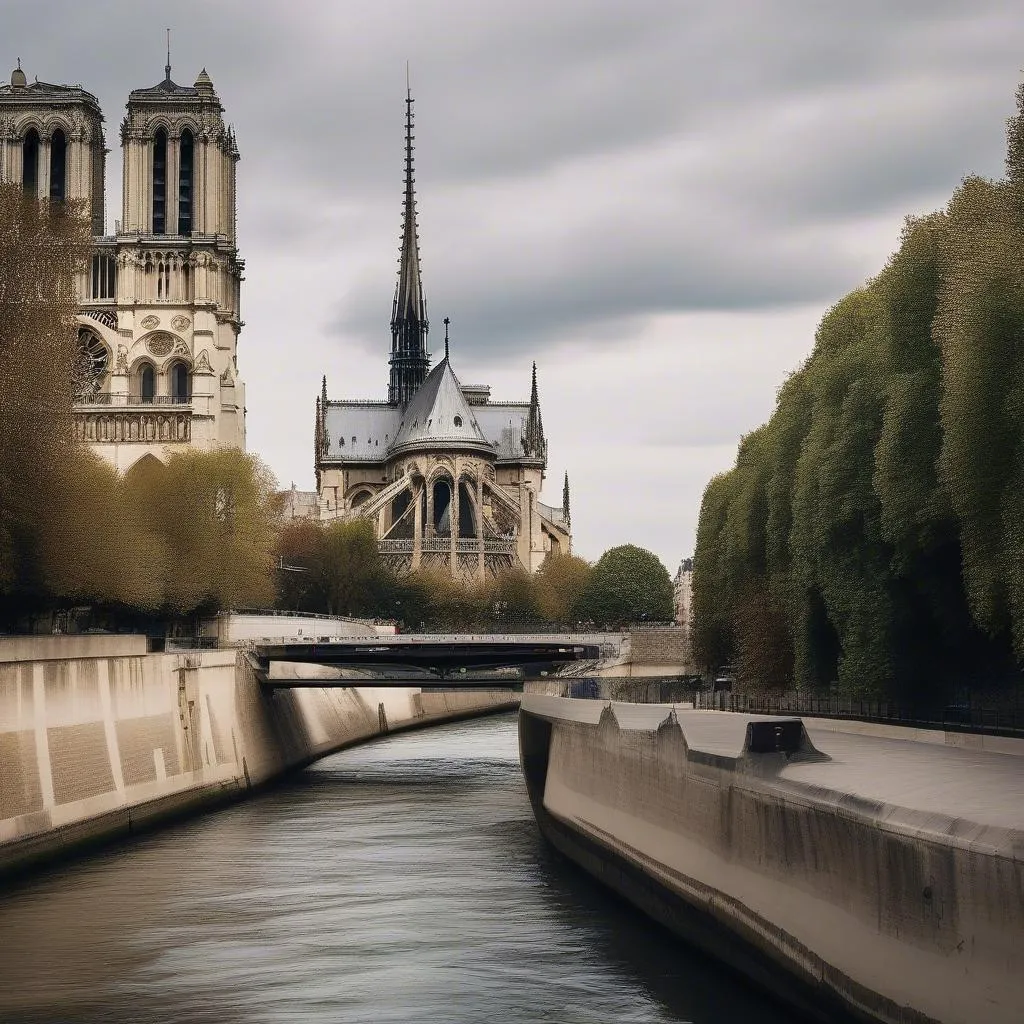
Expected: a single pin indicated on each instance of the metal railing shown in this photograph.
(989, 716)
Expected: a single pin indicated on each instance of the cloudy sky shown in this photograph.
(656, 201)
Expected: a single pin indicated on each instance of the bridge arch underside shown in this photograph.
(450, 516)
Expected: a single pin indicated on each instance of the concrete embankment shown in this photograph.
(99, 739)
(858, 877)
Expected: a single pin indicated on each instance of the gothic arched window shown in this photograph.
(147, 383)
(180, 383)
(185, 151)
(30, 162)
(160, 182)
(58, 165)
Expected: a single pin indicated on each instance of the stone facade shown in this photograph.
(160, 317)
(683, 594)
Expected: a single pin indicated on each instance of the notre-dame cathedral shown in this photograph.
(159, 302)
(448, 477)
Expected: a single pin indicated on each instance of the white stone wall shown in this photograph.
(97, 743)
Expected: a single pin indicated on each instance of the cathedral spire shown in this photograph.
(409, 358)
(566, 514)
(534, 444)
(167, 66)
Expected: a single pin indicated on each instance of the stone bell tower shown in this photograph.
(161, 325)
(51, 141)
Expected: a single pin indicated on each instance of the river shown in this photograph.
(403, 880)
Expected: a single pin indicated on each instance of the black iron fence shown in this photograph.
(1001, 715)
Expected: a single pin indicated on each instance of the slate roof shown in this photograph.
(382, 430)
(439, 416)
(164, 88)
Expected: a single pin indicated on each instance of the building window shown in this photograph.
(147, 383)
(185, 151)
(163, 280)
(58, 165)
(30, 162)
(180, 389)
(458, 421)
(103, 276)
(89, 370)
(160, 183)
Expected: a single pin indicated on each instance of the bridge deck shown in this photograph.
(392, 659)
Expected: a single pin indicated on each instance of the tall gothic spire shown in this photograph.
(409, 358)
(534, 444)
(566, 511)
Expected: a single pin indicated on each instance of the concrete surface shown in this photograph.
(884, 876)
(93, 747)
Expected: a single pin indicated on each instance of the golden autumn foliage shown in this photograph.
(42, 247)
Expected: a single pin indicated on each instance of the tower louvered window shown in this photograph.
(103, 276)
(30, 162)
(186, 150)
(160, 183)
(58, 165)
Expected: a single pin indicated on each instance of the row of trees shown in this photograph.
(337, 569)
(872, 532)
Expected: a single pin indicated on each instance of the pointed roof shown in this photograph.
(440, 417)
(409, 303)
(534, 444)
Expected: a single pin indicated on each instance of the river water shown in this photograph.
(403, 880)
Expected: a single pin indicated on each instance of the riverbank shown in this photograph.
(877, 878)
(99, 739)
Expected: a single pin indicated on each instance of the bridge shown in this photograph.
(412, 659)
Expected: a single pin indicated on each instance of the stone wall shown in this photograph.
(107, 738)
(659, 648)
(884, 882)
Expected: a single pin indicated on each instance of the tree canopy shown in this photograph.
(871, 532)
(627, 584)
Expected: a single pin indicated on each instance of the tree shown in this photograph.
(217, 514)
(628, 584)
(559, 584)
(43, 246)
(351, 574)
(298, 552)
(511, 597)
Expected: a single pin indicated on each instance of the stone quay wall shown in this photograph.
(857, 877)
(99, 739)
(669, 646)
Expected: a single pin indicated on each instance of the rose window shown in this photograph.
(90, 366)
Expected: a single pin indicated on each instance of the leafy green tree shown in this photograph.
(711, 635)
(628, 584)
(352, 578)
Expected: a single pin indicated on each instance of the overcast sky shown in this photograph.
(655, 201)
